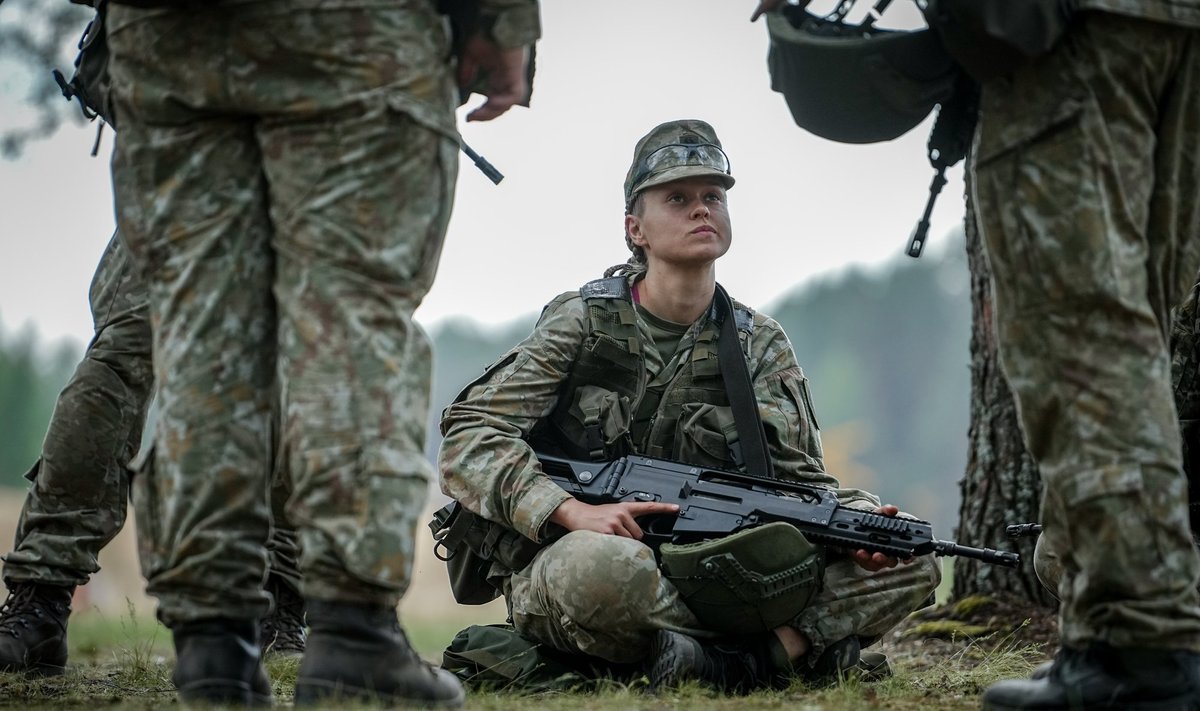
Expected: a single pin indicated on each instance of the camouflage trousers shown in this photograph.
(284, 180)
(1087, 168)
(604, 596)
(81, 483)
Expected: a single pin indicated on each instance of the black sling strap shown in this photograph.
(751, 436)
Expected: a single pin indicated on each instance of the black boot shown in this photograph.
(676, 658)
(33, 629)
(282, 631)
(217, 661)
(838, 661)
(1105, 677)
(359, 652)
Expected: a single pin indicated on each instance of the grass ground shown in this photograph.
(124, 663)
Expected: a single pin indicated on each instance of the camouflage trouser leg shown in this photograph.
(283, 546)
(604, 596)
(854, 602)
(82, 480)
(289, 215)
(1087, 167)
(81, 483)
(597, 594)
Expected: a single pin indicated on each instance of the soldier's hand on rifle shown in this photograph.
(499, 74)
(873, 562)
(615, 519)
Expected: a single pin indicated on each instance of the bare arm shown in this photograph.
(615, 519)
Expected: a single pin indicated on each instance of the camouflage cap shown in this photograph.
(674, 150)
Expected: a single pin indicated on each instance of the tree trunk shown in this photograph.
(1001, 484)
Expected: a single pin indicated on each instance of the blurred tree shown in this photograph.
(37, 36)
(886, 356)
(1001, 484)
(30, 379)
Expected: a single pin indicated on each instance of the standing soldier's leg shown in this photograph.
(360, 198)
(356, 167)
(1087, 165)
(191, 201)
(81, 483)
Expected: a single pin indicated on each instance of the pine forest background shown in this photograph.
(886, 354)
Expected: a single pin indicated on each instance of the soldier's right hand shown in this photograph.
(499, 74)
(615, 519)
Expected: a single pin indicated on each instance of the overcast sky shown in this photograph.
(607, 73)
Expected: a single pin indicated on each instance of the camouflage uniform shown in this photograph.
(284, 175)
(604, 595)
(81, 482)
(1087, 165)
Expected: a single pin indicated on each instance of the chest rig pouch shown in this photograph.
(595, 406)
(594, 416)
(702, 429)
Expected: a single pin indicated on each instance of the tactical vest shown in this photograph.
(749, 582)
(597, 403)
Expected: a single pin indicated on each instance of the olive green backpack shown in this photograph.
(497, 658)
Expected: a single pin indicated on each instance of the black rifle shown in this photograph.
(714, 503)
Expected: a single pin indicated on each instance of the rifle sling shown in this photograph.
(751, 436)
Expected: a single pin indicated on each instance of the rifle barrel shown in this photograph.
(1008, 559)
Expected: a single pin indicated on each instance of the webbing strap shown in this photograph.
(751, 435)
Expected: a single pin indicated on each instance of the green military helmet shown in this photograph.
(855, 83)
(752, 581)
(675, 150)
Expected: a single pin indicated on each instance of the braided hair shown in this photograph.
(636, 265)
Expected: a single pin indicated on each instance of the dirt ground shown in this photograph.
(973, 628)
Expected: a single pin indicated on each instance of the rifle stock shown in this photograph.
(714, 503)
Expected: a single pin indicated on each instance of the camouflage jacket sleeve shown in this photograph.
(484, 463)
(511, 23)
(786, 408)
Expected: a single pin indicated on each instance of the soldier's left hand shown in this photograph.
(878, 561)
(499, 74)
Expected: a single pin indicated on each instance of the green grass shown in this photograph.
(125, 664)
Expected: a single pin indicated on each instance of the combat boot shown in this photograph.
(1103, 677)
(33, 628)
(282, 632)
(843, 660)
(218, 661)
(739, 668)
(359, 652)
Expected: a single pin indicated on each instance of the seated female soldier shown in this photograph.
(628, 365)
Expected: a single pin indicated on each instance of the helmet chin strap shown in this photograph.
(837, 16)
(949, 142)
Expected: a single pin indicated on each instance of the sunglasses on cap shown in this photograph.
(674, 155)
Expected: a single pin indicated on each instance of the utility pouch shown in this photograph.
(750, 582)
(992, 38)
(469, 544)
(497, 657)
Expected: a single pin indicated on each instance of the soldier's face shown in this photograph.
(684, 222)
